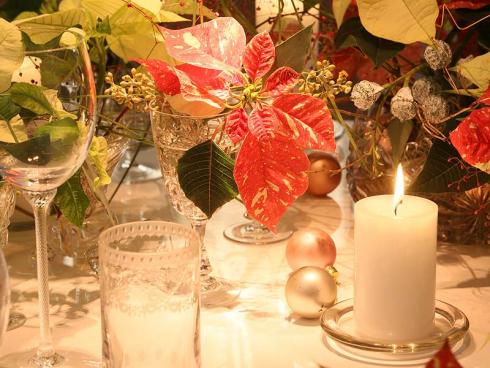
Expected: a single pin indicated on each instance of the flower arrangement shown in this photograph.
(274, 112)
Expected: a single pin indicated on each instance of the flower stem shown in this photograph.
(343, 123)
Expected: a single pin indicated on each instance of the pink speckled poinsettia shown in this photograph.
(270, 169)
(472, 136)
(272, 125)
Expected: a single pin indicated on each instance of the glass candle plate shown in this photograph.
(449, 323)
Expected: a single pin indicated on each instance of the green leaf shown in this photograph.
(7, 108)
(186, 7)
(72, 200)
(55, 70)
(134, 36)
(308, 4)
(293, 51)
(31, 97)
(13, 130)
(399, 132)
(166, 16)
(339, 7)
(99, 155)
(476, 70)
(35, 151)
(44, 28)
(63, 130)
(445, 171)
(206, 177)
(103, 26)
(352, 33)
(12, 52)
(404, 21)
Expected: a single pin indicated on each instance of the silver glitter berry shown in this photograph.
(438, 55)
(435, 109)
(423, 88)
(365, 93)
(403, 105)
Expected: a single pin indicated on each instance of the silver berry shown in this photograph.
(438, 55)
(365, 93)
(435, 108)
(423, 88)
(403, 105)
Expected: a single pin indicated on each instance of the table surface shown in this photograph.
(257, 330)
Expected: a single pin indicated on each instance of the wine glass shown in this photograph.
(173, 135)
(53, 94)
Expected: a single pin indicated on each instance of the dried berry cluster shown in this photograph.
(321, 81)
(136, 91)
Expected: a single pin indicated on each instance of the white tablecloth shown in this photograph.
(257, 330)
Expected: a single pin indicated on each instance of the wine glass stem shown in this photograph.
(40, 202)
(200, 228)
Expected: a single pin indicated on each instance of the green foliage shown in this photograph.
(399, 132)
(12, 52)
(445, 171)
(63, 130)
(206, 177)
(32, 98)
(35, 151)
(56, 69)
(7, 109)
(72, 200)
(353, 34)
(293, 51)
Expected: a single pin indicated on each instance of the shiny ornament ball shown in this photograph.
(310, 247)
(324, 174)
(310, 290)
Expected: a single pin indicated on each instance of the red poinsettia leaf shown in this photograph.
(259, 55)
(485, 97)
(211, 81)
(270, 175)
(217, 44)
(308, 120)
(444, 358)
(466, 4)
(237, 125)
(195, 93)
(472, 139)
(281, 81)
(166, 81)
(264, 124)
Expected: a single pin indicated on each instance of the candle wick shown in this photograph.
(398, 204)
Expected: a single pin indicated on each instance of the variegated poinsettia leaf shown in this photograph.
(444, 358)
(308, 119)
(281, 81)
(270, 175)
(217, 44)
(237, 125)
(259, 56)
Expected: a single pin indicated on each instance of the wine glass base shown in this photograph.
(247, 233)
(16, 320)
(65, 359)
(216, 292)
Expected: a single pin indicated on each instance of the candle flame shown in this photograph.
(399, 188)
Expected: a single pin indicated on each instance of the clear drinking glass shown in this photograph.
(7, 207)
(173, 135)
(4, 296)
(53, 94)
(149, 275)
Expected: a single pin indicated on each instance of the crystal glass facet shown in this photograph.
(174, 135)
(149, 274)
(56, 89)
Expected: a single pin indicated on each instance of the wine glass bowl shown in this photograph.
(51, 108)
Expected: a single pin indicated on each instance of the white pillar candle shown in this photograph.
(395, 267)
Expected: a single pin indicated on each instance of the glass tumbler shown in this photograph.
(149, 274)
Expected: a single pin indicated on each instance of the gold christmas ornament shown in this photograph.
(310, 247)
(310, 290)
(324, 174)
